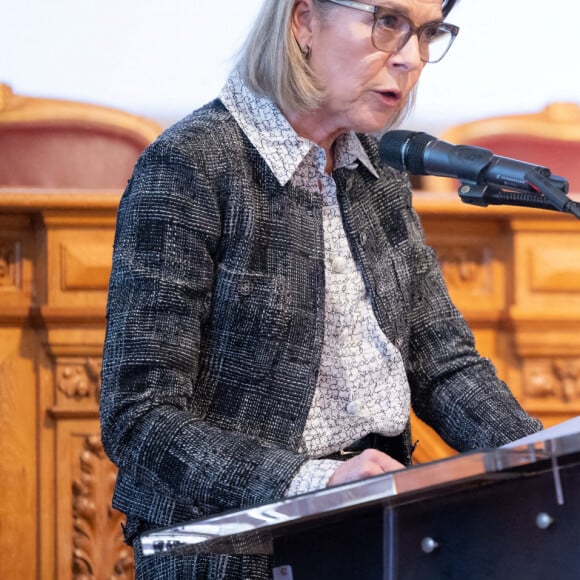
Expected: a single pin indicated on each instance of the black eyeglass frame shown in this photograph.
(373, 9)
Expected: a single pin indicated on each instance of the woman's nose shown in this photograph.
(409, 55)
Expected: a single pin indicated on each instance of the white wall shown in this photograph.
(161, 59)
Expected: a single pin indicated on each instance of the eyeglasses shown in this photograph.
(392, 30)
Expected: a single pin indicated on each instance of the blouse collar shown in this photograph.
(274, 138)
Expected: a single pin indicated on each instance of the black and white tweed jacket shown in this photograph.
(215, 329)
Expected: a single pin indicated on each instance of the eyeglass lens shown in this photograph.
(391, 31)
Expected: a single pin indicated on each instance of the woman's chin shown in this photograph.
(377, 123)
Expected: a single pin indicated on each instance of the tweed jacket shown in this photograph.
(216, 323)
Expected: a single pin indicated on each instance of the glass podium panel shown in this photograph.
(256, 529)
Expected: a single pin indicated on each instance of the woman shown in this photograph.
(272, 302)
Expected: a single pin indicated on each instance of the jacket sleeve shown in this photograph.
(454, 389)
(168, 232)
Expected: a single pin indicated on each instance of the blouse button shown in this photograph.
(339, 264)
(353, 408)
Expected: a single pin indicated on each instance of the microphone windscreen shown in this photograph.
(392, 148)
(404, 150)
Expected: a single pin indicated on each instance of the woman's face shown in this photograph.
(365, 88)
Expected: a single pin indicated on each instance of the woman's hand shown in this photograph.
(370, 462)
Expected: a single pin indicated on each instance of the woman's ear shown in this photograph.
(302, 17)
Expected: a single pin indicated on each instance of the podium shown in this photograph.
(512, 512)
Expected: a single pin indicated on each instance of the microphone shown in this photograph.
(422, 154)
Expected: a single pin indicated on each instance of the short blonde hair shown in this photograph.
(272, 63)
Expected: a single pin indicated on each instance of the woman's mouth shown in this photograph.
(390, 97)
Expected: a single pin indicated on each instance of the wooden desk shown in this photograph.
(514, 273)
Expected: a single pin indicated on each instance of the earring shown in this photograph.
(306, 53)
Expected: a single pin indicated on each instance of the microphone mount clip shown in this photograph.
(549, 192)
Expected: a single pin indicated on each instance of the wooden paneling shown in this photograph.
(512, 272)
(55, 480)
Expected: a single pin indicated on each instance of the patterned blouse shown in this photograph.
(362, 385)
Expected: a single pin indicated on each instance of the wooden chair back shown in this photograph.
(50, 143)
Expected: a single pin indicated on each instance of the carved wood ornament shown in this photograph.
(80, 380)
(558, 378)
(98, 548)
